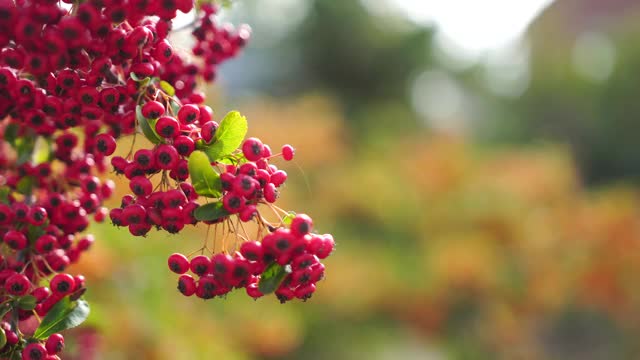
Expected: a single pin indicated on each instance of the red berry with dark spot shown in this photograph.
(168, 127)
(105, 144)
(287, 152)
(187, 285)
(201, 265)
(54, 344)
(252, 149)
(62, 284)
(34, 351)
(301, 225)
(17, 284)
(178, 263)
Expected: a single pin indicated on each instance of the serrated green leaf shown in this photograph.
(271, 278)
(64, 315)
(228, 137)
(204, 179)
(147, 126)
(167, 88)
(210, 212)
(27, 302)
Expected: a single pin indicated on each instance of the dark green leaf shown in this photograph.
(204, 179)
(11, 134)
(167, 88)
(3, 338)
(272, 277)
(66, 314)
(25, 185)
(27, 302)
(34, 232)
(147, 126)
(4, 309)
(228, 137)
(210, 212)
(4, 194)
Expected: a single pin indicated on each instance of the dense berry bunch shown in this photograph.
(75, 77)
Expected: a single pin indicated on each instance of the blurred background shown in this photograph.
(476, 162)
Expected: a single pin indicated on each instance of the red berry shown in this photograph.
(34, 351)
(278, 178)
(188, 114)
(178, 263)
(152, 110)
(287, 152)
(15, 239)
(208, 131)
(305, 292)
(252, 290)
(201, 265)
(252, 250)
(301, 225)
(187, 285)
(166, 157)
(54, 344)
(62, 284)
(17, 284)
(184, 145)
(45, 243)
(105, 144)
(168, 127)
(141, 186)
(252, 149)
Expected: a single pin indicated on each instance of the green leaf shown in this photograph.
(204, 179)
(66, 314)
(147, 126)
(41, 151)
(143, 82)
(4, 309)
(4, 194)
(167, 88)
(272, 277)
(11, 134)
(286, 220)
(34, 232)
(25, 185)
(229, 136)
(24, 148)
(3, 338)
(210, 212)
(27, 302)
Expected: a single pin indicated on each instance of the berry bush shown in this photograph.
(75, 76)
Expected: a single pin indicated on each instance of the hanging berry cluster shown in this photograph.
(75, 76)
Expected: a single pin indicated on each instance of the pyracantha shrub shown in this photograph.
(75, 76)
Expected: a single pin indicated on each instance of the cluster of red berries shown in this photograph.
(75, 77)
(294, 251)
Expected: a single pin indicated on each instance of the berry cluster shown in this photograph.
(74, 78)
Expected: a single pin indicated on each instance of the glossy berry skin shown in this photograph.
(252, 149)
(187, 285)
(166, 156)
(287, 152)
(208, 131)
(34, 351)
(15, 239)
(168, 127)
(54, 344)
(105, 144)
(252, 250)
(188, 114)
(201, 265)
(301, 225)
(62, 284)
(178, 263)
(17, 284)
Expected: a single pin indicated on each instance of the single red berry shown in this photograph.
(222, 264)
(134, 214)
(251, 250)
(17, 284)
(144, 159)
(166, 156)
(15, 239)
(201, 265)
(305, 292)
(187, 285)
(184, 145)
(62, 284)
(278, 178)
(233, 203)
(141, 186)
(41, 293)
(321, 245)
(208, 131)
(252, 290)
(34, 351)
(168, 127)
(284, 294)
(301, 225)
(152, 110)
(188, 114)
(45, 243)
(270, 193)
(252, 149)
(287, 152)
(105, 144)
(37, 216)
(178, 263)
(248, 213)
(54, 344)
(245, 185)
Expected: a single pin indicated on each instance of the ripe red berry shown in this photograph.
(187, 285)
(252, 149)
(54, 344)
(62, 284)
(301, 225)
(34, 351)
(233, 203)
(287, 152)
(188, 114)
(184, 145)
(17, 284)
(201, 265)
(178, 263)
(141, 186)
(305, 292)
(278, 178)
(152, 110)
(166, 157)
(45, 243)
(105, 144)
(37, 215)
(208, 131)
(168, 127)
(251, 250)
(15, 239)
(252, 290)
